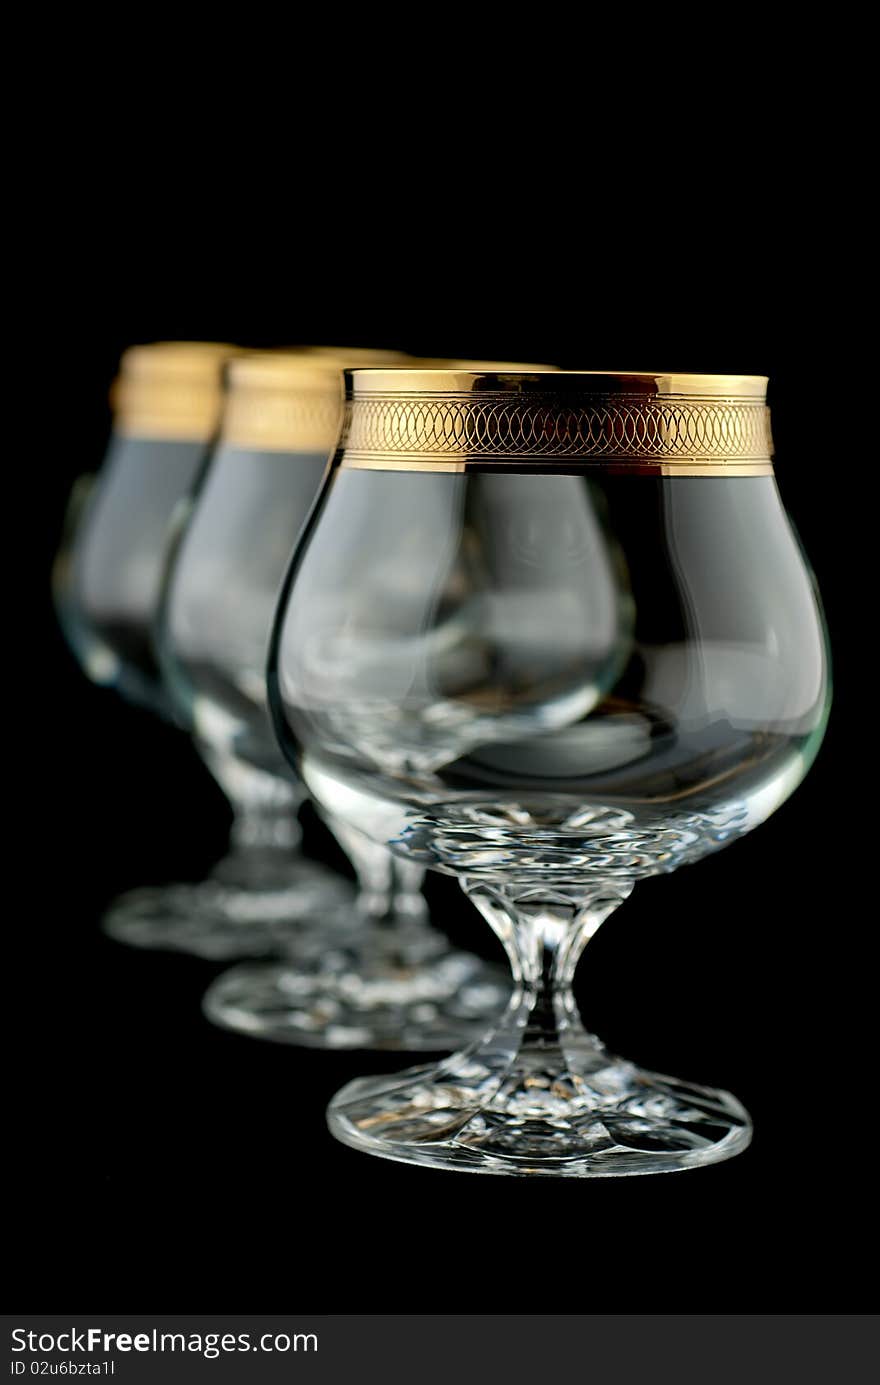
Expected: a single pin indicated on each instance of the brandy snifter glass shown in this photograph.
(552, 634)
(108, 581)
(364, 970)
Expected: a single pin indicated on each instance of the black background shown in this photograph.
(162, 1164)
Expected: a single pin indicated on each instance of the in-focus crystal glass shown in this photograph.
(108, 579)
(364, 972)
(552, 634)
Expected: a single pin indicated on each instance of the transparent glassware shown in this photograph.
(107, 582)
(357, 971)
(108, 571)
(553, 635)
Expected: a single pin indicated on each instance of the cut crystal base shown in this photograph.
(231, 914)
(354, 996)
(582, 1114)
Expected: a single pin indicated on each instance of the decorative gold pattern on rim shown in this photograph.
(303, 417)
(170, 390)
(292, 401)
(560, 419)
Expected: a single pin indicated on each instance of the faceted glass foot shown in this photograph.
(220, 920)
(355, 997)
(584, 1115)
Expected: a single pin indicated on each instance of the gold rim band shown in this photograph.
(170, 390)
(627, 423)
(292, 401)
(303, 415)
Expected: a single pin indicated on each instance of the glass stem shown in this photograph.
(544, 929)
(264, 806)
(390, 902)
(257, 827)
